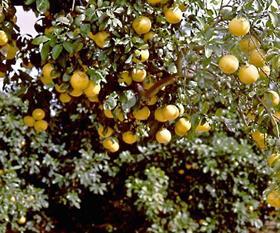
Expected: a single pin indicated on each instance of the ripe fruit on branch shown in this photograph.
(239, 26)
(271, 98)
(40, 126)
(273, 199)
(22, 220)
(264, 71)
(79, 80)
(182, 126)
(38, 114)
(257, 57)
(229, 64)
(76, 93)
(163, 136)
(138, 75)
(259, 138)
(111, 144)
(153, 2)
(248, 44)
(158, 114)
(100, 38)
(202, 128)
(272, 159)
(129, 137)
(29, 121)
(48, 71)
(92, 90)
(248, 74)
(64, 98)
(141, 55)
(142, 25)
(104, 132)
(141, 114)
(170, 112)
(173, 15)
(3, 38)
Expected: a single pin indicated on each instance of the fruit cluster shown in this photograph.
(36, 120)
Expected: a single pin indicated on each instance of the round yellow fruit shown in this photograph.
(79, 80)
(173, 15)
(229, 64)
(141, 55)
(93, 99)
(163, 136)
(22, 220)
(142, 25)
(239, 26)
(46, 80)
(108, 113)
(64, 98)
(3, 38)
(273, 199)
(202, 128)
(182, 126)
(40, 126)
(259, 138)
(138, 75)
(47, 70)
(38, 114)
(125, 78)
(29, 121)
(141, 114)
(159, 115)
(170, 112)
(152, 100)
(10, 51)
(272, 159)
(92, 90)
(248, 44)
(104, 132)
(153, 2)
(111, 145)
(76, 93)
(271, 98)
(100, 38)
(148, 36)
(59, 88)
(248, 74)
(129, 137)
(2, 74)
(264, 71)
(257, 57)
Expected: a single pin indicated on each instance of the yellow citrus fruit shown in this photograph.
(92, 90)
(248, 44)
(79, 80)
(108, 113)
(47, 70)
(264, 71)
(46, 80)
(158, 114)
(125, 78)
(10, 51)
(76, 93)
(181, 172)
(271, 98)
(3, 38)
(173, 15)
(148, 36)
(59, 88)
(163, 136)
(29, 121)
(38, 114)
(272, 159)
(2, 74)
(239, 26)
(141, 55)
(138, 75)
(259, 138)
(129, 137)
(22, 220)
(152, 100)
(40, 126)
(229, 64)
(257, 57)
(202, 128)
(142, 25)
(182, 126)
(273, 199)
(248, 74)
(111, 145)
(93, 99)
(104, 132)
(64, 98)
(141, 114)
(170, 112)
(153, 2)
(100, 38)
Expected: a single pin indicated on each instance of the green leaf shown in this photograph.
(274, 19)
(85, 29)
(39, 40)
(56, 51)
(42, 5)
(28, 2)
(45, 51)
(68, 46)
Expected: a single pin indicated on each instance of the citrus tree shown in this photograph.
(143, 101)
